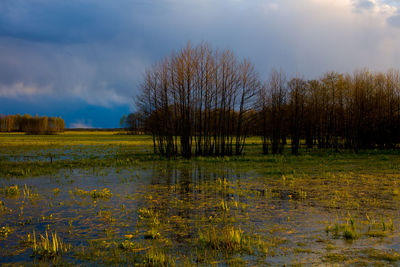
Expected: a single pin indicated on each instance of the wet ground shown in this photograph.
(308, 210)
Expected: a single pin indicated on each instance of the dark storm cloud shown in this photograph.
(97, 50)
(57, 21)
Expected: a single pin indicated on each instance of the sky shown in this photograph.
(84, 60)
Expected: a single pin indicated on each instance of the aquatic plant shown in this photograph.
(224, 206)
(226, 239)
(49, 247)
(29, 194)
(349, 232)
(11, 191)
(384, 255)
(302, 194)
(379, 229)
(346, 230)
(94, 194)
(157, 257)
(56, 191)
(5, 231)
(105, 194)
(128, 245)
(145, 213)
(3, 207)
(153, 233)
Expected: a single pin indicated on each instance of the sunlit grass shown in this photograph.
(11, 191)
(229, 239)
(5, 231)
(72, 138)
(385, 255)
(105, 193)
(353, 229)
(48, 247)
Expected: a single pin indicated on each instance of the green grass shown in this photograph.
(48, 247)
(229, 239)
(108, 149)
(105, 193)
(383, 255)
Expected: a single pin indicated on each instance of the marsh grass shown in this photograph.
(105, 193)
(151, 220)
(129, 245)
(336, 257)
(379, 228)
(241, 210)
(383, 255)
(347, 231)
(48, 247)
(352, 229)
(157, 257)
(5, 231)
(228, 238)
(224, 206)
(233, 240)
(29, 193)
(11, 191)
(3, 208)
(56, 191)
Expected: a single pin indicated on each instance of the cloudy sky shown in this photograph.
(84, 59)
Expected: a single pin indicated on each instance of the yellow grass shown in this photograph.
(73, 138)
(84, 138)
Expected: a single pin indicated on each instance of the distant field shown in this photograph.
(73, 138)
(104, 199)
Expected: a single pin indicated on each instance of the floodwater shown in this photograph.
(204, 213)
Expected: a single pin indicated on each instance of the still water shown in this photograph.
(201, 213)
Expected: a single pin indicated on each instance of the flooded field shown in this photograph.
(104, 199)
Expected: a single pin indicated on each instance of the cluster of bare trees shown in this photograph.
(31, 125)
(198, 101)
(358, 111)
(205, 102)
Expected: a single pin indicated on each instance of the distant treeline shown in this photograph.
(205, 102)
(134, 123)
(31, 125)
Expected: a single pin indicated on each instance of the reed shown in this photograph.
(49, 246)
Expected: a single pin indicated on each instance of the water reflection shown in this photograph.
(175, 206)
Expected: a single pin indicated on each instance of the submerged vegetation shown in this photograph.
(94, 194)
(104, 199)
(4, 231)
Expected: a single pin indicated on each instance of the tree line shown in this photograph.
(201, 101)
(134, 123)
(31, 125)
(338, 111)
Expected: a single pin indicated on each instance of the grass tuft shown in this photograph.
(383, 255)
(49, 247)
(5, 231)
(228, 239)
(11, 191)
(94, 194)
